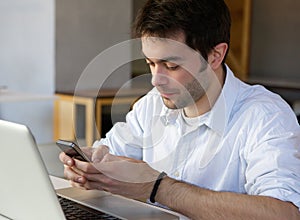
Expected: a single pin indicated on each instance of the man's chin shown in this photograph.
(169, 104)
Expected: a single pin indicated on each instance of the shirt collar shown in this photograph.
(218, 117)
(220, 112)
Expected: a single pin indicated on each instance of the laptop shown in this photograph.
(26, 191)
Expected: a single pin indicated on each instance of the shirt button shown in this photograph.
(176, 174)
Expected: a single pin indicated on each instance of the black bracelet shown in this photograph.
(156, 185)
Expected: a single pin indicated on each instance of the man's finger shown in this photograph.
(66, 159)
(99, 153)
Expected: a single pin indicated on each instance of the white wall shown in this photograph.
(27, 61)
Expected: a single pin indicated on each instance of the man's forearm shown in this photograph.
(198, 203)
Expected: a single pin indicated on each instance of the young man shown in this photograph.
(202, 142)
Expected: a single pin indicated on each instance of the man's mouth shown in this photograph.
(167, 94)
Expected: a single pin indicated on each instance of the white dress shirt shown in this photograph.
(245, 144)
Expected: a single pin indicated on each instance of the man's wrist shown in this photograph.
(156, 186)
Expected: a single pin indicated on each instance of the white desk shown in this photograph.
(15, 96)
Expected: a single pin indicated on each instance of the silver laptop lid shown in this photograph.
(26, 191)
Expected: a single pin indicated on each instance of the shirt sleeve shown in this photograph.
(273, 167)
(125, 138)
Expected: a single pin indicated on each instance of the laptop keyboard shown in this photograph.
(73, 210)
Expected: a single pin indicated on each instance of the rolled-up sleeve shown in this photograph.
(273, 167)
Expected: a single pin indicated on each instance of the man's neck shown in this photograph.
(205, 103)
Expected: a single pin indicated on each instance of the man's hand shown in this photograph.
(116, 174)
(75, 174)
(121, 175)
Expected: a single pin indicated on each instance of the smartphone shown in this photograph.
(72, 150)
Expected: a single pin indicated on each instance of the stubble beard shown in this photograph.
(189, 96)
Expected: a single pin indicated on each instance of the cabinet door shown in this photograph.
(238, 56)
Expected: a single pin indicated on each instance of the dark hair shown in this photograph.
(205, 23)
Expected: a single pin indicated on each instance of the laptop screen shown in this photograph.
(25, 192)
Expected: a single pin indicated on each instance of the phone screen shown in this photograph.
(72, 150)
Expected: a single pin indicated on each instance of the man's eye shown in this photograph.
(172, 67)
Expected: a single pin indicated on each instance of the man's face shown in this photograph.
(178, 72)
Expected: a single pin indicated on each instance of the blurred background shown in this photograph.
(47, 44)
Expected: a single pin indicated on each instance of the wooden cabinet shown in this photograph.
(238, 57)
(65, 116)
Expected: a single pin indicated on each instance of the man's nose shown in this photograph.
(159, 77)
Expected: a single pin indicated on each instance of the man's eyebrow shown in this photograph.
(166, 59)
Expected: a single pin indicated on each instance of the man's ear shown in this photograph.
(216, 56)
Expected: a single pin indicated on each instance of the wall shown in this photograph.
(45, 45)
(27, 61)
(275, 40)
(275, 47)
(84, 29)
